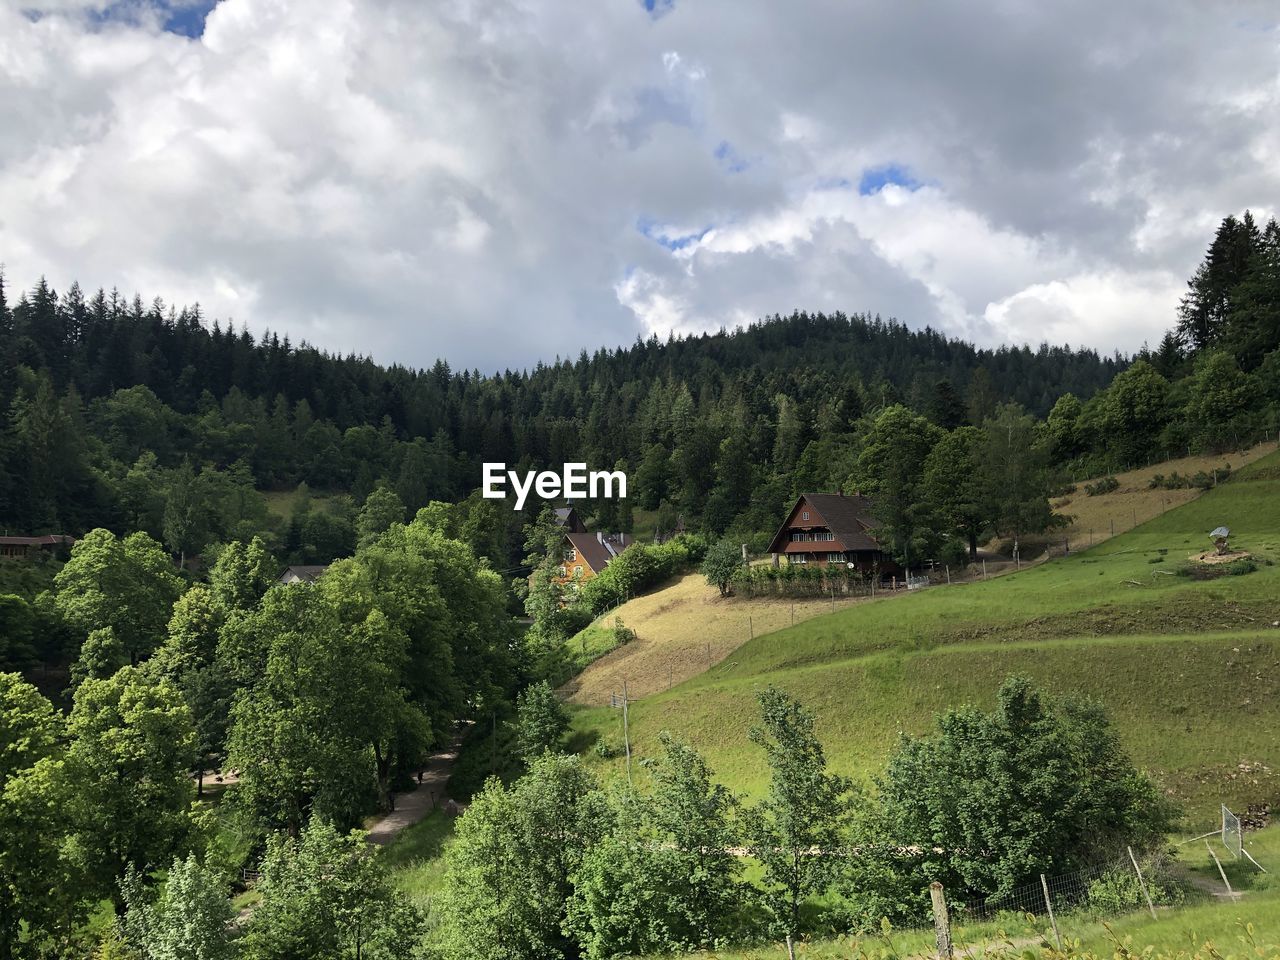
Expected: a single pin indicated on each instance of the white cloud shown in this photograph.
(467, 180)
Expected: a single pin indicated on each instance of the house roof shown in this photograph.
(595, 550)
(848, 516)
(45, 540)
(304, 573)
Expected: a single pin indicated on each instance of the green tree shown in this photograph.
(131, 746)
(1132, 412)
(1223, 402)
(508, 872)
(38, 895)
(242, 574)
(1037, 786)
(664, 880)
(541, 721)
(190, 918)
(952, 484)
(101, 655)
(18, 625)
(806, 809)
(1203, 312)
(324, 896)
(1065, 429)
(890, 470)
(189, 659)
(128, 585)
(1014, 472)
(381, 509)
(186, 520)
(721, 564)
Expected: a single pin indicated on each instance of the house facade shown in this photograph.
(832, 529)
(587, 554)
(22, 548)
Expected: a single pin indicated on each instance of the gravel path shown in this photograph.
(427, 796)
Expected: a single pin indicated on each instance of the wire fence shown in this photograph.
(1065, 902)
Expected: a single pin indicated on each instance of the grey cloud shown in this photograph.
(466, 179)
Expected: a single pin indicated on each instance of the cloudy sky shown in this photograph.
(498, 181)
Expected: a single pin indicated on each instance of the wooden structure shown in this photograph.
(23, 548)
(828, 529)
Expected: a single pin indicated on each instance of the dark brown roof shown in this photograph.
(46, 540)
(597, 551)
(848, 516)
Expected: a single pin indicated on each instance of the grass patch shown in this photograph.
(415, 858)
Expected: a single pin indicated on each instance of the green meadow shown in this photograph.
(1188, 668)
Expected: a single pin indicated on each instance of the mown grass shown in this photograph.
(1189, 670)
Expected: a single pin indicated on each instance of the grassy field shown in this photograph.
(1189, 669)
(681, 630)
(1093, 519)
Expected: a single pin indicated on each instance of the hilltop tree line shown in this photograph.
(111, 408)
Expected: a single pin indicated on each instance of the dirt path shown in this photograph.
(417, 803)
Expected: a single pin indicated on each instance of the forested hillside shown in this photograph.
(109, 402)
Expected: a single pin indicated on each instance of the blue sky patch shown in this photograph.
(658, 8)
(875, 179)
(664, 237)
(187, 19)
(183, 17)
(729, 158)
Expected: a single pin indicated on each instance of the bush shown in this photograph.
(1105, 485)
(621, 632)
(1199, 481)
(637, 568)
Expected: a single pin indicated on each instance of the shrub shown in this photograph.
(1105, 485)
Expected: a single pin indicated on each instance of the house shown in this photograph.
(586, 554)
(568, 518)
(303, 573)
(22, 548)
(826, 529)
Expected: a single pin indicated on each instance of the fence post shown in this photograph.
(941, 923)
(626, 731)
(751, 628)
(984, 568)
(1044, 884)
(948, 574)
(1222, 873)
(1142, 883)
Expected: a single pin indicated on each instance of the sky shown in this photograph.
(498, 182)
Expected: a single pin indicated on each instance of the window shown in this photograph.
(804, 515)
(824, 535)
(563, 571)
(571, 554)
(577, 571)
(799, 558)
(835, 557)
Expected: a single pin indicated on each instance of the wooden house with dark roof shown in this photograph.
(586, 554)
(828, 529)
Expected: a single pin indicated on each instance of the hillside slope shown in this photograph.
(681, 631)
(1189, 669)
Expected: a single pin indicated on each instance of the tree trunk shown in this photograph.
(973, 546)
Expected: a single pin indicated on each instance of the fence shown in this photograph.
(1061, 904)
